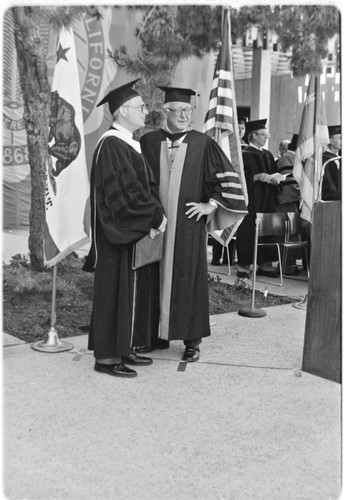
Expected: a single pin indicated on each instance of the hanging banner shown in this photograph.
(96, 73)
(15, 161)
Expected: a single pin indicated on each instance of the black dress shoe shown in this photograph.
(191, 354)
(134, 359)
(116, 370)
(158, 344)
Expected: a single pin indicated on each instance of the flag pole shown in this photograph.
(252, 312)
(318, 147)
(52, 343)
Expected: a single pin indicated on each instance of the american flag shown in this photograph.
(221, 124)
(313, 136)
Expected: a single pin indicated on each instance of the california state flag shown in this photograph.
(67, 182)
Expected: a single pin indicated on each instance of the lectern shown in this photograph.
(322, 343)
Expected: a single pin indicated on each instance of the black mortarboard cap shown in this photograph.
(256, 125)
(293, 143)
(115, 98)
(242, 119)
(334, 130)
(177, 94)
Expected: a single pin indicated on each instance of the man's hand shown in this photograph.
(199, 209)
(153, 233)
(274, 181)
(161, 229)
(262, 177)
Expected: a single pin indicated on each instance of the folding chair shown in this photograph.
(296, 227)
(229, 261)
(210, 239)
(272, 224)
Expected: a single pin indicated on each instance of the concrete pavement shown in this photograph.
(239, 424)
(244, 423)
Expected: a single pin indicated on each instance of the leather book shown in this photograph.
(147, 250)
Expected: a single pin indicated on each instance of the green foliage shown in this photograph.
(166, 35)
(241, 285)
(24, 281)
(307, 30)
(67, 293)
(69, 264)
(171, 33)
(261, 16)
(212, 279)
(19, 260)
(304, 30)
(64, 16)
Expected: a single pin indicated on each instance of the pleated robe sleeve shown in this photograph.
(223, 184)
(125, 206)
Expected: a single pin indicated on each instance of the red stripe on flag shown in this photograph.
(221, 124)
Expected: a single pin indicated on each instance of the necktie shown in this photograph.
(172, 150)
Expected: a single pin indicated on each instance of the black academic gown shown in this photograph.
(262, 197)
(331, 186)
(124, 207)
(288, 190)
(200, 171)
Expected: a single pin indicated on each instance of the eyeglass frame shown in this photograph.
(143, 107)
(188, 111)
(265, 134)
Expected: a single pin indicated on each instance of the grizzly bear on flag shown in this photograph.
(65, 133)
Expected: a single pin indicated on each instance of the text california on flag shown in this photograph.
(313, 135)
(67, 180)
(221, 123)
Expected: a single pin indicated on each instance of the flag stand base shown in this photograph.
(302, 304)
(52, 343)
(251, 312)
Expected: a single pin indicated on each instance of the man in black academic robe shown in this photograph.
(289, 197)
(124, 208)
(198, 186)
(331, 182)
(259, 167)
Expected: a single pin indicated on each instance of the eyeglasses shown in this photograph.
(264, 134)
(179, 111)
(143, 107)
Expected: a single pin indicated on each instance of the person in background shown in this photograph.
(242, 120)
(259, 164)
(124, 208)
(283, 148)
(198, 186)
(288, 197)
(331, 184)
(289, 190)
